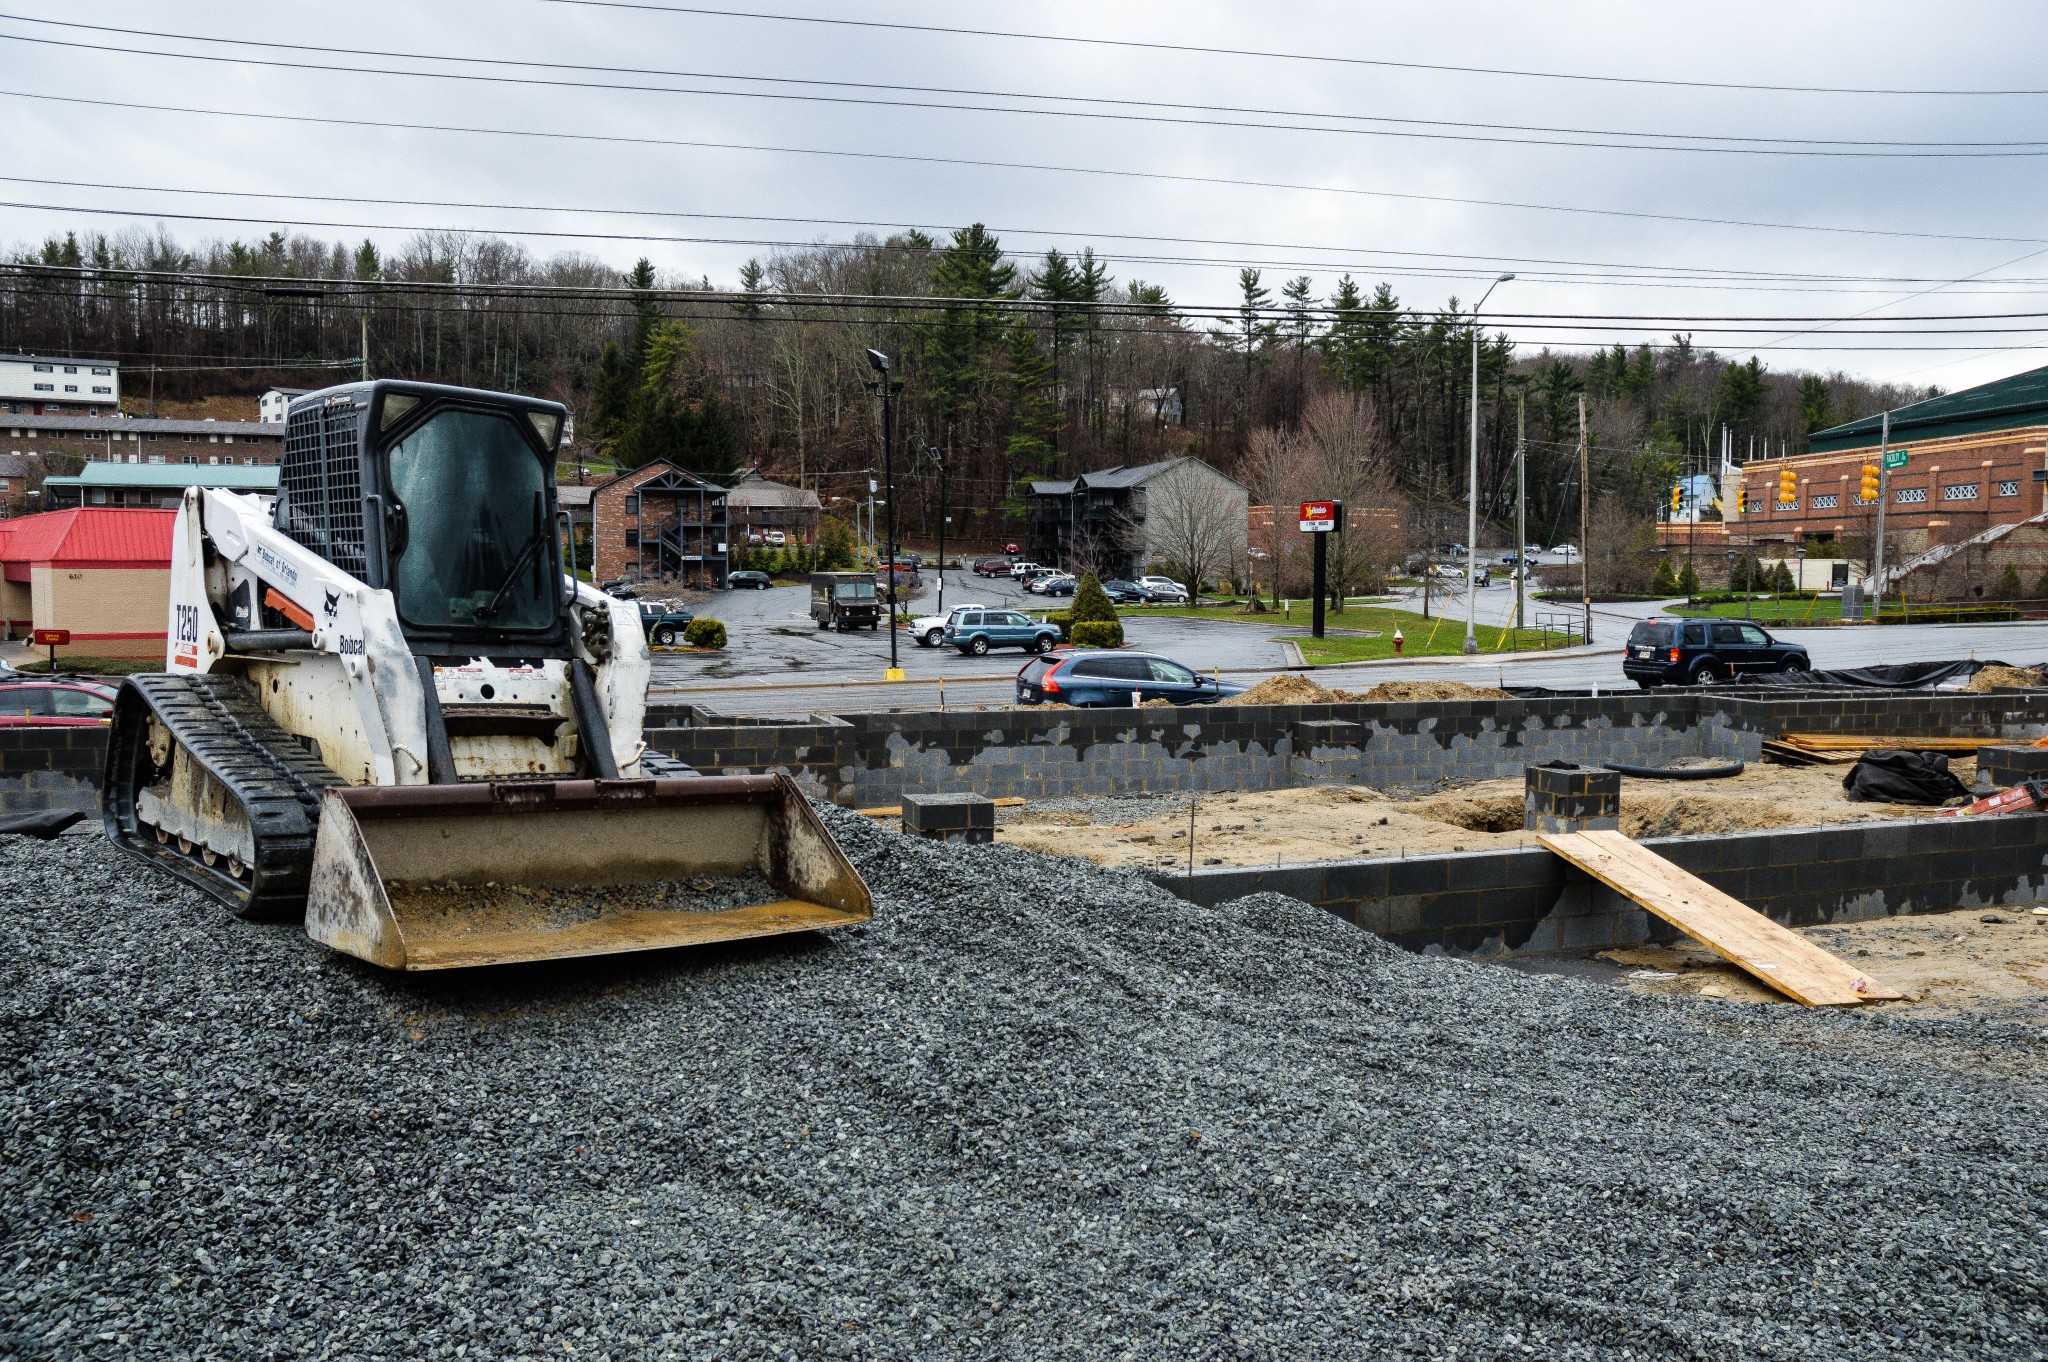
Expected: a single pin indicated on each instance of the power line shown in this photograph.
(921, 159)
(1090, 114)
(901, 87)
(1703, 271)
(1153, 46)
(769, 298)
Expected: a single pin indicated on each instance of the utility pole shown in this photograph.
(1585, 520)
(888, 388)
(939, 457)
(363, 342)
(1521, 507)
(1884, 482)
(1472, 485)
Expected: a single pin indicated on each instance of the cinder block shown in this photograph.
(1558, 797)
(2000, 767)
(950, 817)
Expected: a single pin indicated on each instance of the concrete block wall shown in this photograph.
(51, 768)
(1530, 900)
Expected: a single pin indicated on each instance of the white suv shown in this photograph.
(1158, 589)
(928, 630)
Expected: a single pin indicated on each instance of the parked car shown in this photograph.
(1670, 652)
(1037, 582)
(619, 589)
(746, 579)
(845, 600)
(901, 580)
(1531, 550)
(1058, 586)
(974, 632)
(991, 567)
(663, 621)
(1093, 678)
(1121, 592)
(54, 704)
(930, 630)
(1163, 590)
(1567, 550)
(1022, 569)
(1012, 550)
(774, 539)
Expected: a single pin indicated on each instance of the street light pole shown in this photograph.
(939, 458)
(1472, 487)
(888, 391)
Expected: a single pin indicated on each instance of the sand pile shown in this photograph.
(1998, 677)
(1291, 688)
(1430, 690)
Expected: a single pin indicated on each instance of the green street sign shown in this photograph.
(1895, 458)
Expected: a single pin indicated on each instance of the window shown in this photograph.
(70, 387)
(213, 458)
(71, 368)
(632, 539)
(1753, 636)
(1911, 496)
(1727, 633)
(156, 458)
(2010, 487)
(1827, 502)
(99, 496)
(1171, 672)
(102, 373)
(26, 701)
(632, 503)
(102, 389)
(92, 435)
(79, 704)
(213, 439)
(190, 458)
(1959, 491)
(478, 552)
(46, 387)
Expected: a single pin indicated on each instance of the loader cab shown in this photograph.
(444, 496)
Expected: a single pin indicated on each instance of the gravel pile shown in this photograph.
(1036, 1110)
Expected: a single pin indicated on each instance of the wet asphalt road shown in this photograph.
(778, 662)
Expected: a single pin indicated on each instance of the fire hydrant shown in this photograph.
(1398, 641)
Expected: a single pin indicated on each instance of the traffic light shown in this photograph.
(1788, 486)
(1742, 499)
(1677, 496)
(1869, 487)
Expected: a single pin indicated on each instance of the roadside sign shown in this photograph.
(1895, 458)
(50, 638)
(1321, 517)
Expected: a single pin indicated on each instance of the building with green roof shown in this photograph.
(149, 484)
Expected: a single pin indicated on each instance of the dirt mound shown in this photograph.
(1429, 690)
(1289, 688)
(1294, 689)
(1996, 677)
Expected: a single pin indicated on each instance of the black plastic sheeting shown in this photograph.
(41, 825)
(1884, 676)
(1896, 777)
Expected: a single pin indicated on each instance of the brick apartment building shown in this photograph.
(1975, 460)
(660, 523)
(758, 505)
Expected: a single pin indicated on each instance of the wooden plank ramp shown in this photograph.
(1781, 958)
(1865, 742)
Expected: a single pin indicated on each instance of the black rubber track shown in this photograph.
(221, 724)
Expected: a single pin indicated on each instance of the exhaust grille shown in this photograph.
(320, 484)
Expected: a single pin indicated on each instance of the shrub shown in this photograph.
(2041, 587)
(1689, 580)
(1091, 602)
(1063, 620)
(704, 632)
(1664, 580)
(2008, 588)
(1098, 634)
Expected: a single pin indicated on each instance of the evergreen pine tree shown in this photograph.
(1689, 581)
(1664, 581)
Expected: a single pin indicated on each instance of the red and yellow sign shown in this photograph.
(1321, 517)
(50, 638)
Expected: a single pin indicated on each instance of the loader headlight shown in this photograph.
(547, 425)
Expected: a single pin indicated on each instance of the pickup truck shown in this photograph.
(663, 621)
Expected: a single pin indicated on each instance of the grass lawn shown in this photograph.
(95, 666)
(1298, 613)
(1423, 637)
(1828, 610)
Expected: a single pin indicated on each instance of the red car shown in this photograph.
(54, 704)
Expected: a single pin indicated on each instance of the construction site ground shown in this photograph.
(1335, 822)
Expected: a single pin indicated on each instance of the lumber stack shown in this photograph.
(1816, 749)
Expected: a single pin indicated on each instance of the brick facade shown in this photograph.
(675, 535)
(1950, 489)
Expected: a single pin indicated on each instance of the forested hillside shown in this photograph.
(1017, 367)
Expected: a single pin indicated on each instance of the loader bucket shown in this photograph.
(421, 877)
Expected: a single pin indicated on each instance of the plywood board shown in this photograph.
(1781, 958)
(1862, 742)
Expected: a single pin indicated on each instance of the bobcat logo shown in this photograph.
(331, 606)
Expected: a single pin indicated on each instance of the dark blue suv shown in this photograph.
(1676, 652)
(1102, 677)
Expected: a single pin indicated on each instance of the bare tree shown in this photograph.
(1197, 533)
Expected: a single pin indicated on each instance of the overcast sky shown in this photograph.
(1883, 45)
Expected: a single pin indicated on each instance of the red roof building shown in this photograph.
(102, 574)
